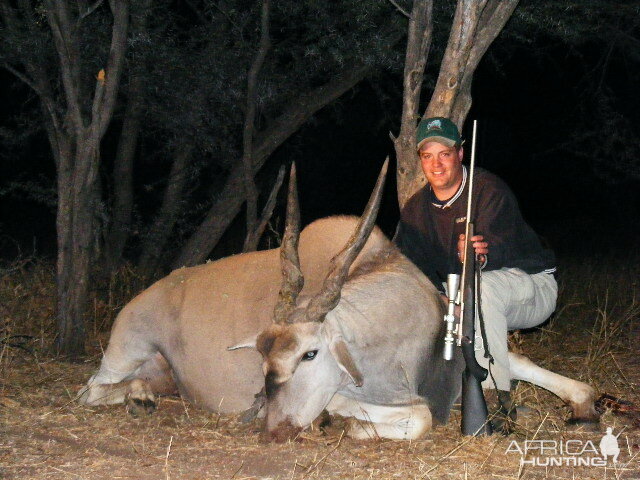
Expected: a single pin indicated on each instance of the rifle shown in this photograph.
(474, 406)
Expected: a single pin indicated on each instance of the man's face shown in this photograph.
(442, 166)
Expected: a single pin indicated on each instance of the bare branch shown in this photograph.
(418, 45)
(35, 72)
(89, 11)
(476, 25)
(166, 216)
(34, 67)
(120, 9)
(58, 18)
(122, 206)
(301, 109)
(492, 21)
(400, 9)
(250, 190)
(252, 239)
(46, 100)
(227, 204)
(23, 77)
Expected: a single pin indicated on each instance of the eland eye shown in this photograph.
(310, 355)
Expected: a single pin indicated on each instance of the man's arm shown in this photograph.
(497, 221)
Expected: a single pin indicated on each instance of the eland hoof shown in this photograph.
(140, 399)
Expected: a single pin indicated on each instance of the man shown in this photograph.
(518, 289)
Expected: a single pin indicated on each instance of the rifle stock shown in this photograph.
(474, 406)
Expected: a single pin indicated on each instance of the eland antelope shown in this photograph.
(357, 331)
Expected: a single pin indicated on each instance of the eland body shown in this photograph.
(175, 334)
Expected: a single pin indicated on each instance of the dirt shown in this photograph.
(47, 435)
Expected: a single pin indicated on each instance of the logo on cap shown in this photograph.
(434, 125)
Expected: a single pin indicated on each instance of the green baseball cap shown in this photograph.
(437, 129)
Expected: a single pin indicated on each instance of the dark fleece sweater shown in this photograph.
(428, 234)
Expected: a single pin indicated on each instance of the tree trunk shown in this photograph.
(153, 247)
(78, 165)
(71, 329)
(475, 26)
(418, 43)
(122, 208)
(76, 221)
(228, 202)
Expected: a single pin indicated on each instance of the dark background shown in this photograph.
(531, 109)
(526, 116)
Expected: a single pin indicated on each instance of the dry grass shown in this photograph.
(46, 434)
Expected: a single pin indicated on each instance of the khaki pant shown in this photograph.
(511, 299)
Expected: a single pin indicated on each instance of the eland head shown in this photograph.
(305, 359)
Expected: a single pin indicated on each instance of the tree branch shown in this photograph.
(89, 11)
(46, 100)
(301, 109)
(476, 25)
(122, 205)
(250, 190)
(227, 204)
(23, 78)
(60, 25)
(400, 9)
(38, 82)
(166, 216)
(418, 44)
(120, 9)
(253, 237)
(493, 19)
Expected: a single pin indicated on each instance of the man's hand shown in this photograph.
(481, 247)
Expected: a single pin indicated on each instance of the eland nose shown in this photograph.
(271, 384)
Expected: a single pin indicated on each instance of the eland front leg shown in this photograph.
(133, 381)
(368, 421)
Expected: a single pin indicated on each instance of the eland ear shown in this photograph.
(247, 343)
(345, 361)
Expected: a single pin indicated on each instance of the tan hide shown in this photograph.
(194, 314)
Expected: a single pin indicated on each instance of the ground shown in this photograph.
(46, 434)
